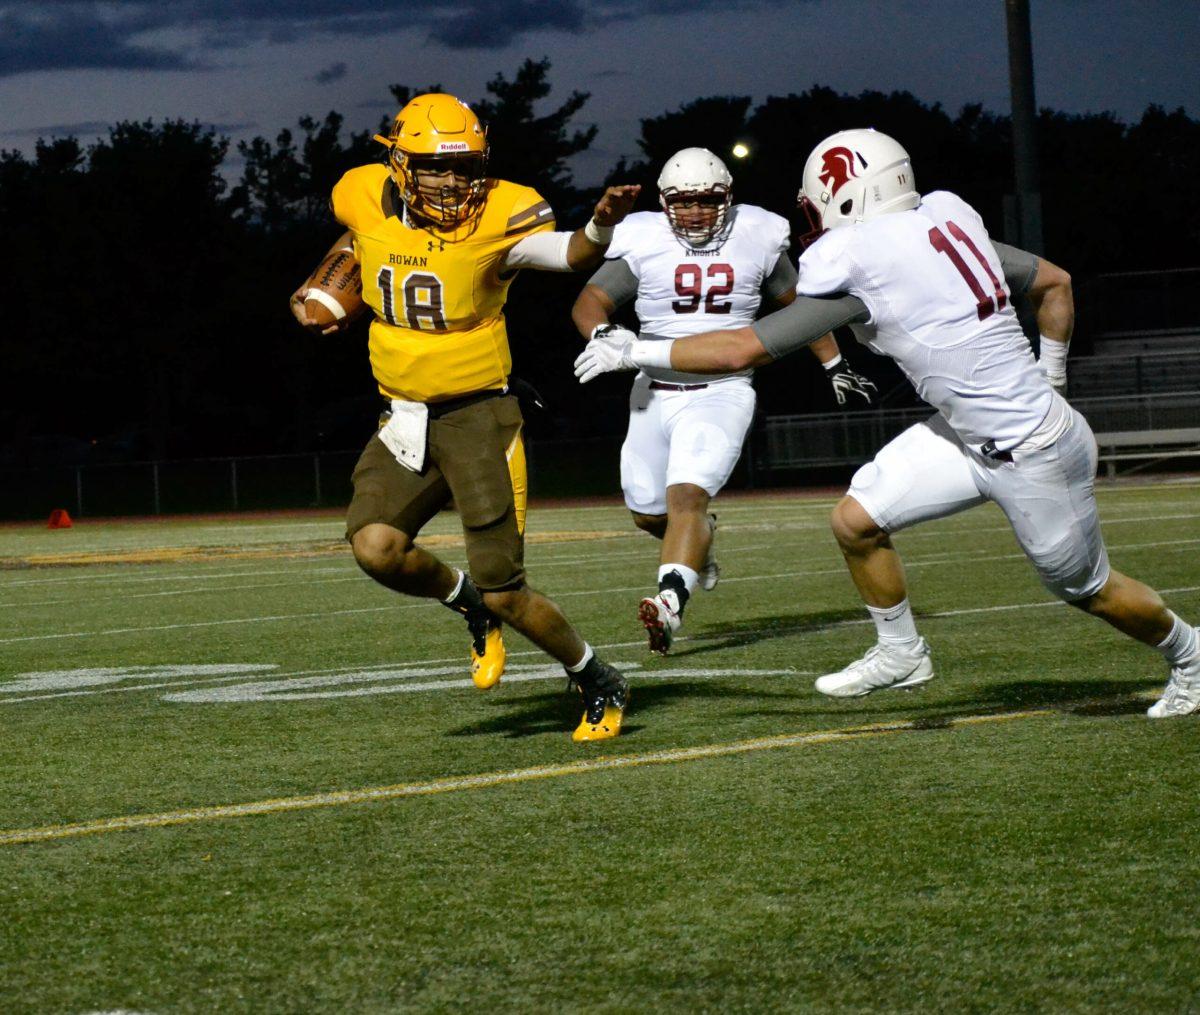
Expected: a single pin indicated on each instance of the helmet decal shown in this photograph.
(837, 168)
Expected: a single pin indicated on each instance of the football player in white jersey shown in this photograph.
(701, 263)
(918, 279)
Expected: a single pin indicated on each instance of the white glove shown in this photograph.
(610, 349)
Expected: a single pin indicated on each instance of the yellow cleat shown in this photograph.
(605, 698)
(607, 727)
(488, 668)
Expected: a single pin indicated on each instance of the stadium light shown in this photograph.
(740, 150)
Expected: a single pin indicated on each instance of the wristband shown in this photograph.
(651, 353)
(1053, 356)
(599, 235)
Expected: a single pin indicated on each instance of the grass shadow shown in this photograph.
(1088, 698)
(717, 637)
(554, 713)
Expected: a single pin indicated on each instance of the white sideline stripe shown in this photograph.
(485, 780)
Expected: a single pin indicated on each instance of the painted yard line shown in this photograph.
(124, 577)
(403, 680)
(945, 527)
(557, 595)
(639, 643)
(486, 780)
(356, 576)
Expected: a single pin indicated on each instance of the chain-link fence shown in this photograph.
(585, 467)
(780, 450)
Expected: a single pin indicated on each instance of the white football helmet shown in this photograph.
(697, 179)
(851, 177)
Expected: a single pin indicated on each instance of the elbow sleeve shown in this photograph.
(805, 320)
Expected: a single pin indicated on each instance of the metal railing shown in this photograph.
(851, 438)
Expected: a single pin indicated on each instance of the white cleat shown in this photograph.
(1182, 693)
(880, 668)
(659, 615)
(710, 574)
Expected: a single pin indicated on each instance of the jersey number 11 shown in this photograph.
(985, 305)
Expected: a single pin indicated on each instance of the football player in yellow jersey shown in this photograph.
(439, 243)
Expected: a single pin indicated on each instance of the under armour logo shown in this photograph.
(440, 242)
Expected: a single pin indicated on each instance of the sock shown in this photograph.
(681, 579)
(588, 656)
(465, 596)
(457, 588)
(1182, 644)
(895, 625)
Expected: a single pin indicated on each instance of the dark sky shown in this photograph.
(252, 66)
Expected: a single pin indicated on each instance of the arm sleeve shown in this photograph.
(616, 280)
(805, 320)
(1020, 266)
(782, 279)
(547, 251)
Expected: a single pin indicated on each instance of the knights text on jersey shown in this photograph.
(684, 290)
(940, 308)
(438, 295)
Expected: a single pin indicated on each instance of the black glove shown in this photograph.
(526, 393)
(847, 383)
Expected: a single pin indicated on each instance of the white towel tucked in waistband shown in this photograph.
(406, 433)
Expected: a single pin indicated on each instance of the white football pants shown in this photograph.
(682, 437)
(1047, 494)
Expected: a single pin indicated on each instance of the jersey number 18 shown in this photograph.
(423, 302)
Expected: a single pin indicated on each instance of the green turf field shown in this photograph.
(322, 814)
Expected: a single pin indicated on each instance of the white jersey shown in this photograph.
(684, 290)
(940, 308)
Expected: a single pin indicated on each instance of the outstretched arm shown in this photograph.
(722, 352)
(587, 245)
(584, 248)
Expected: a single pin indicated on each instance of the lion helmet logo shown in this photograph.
(837, 168)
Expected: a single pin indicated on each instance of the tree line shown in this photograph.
(150, 308)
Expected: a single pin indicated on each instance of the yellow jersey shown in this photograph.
(438, 294)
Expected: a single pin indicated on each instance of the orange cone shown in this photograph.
(60, 519)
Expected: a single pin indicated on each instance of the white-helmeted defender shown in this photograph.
(918, 279)
(701, 263)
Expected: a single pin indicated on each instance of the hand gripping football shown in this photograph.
(334, 294)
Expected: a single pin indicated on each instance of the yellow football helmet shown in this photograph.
(437, 154)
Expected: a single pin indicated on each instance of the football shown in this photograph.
(334, 293)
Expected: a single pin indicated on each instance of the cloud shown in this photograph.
(151, 35)
(60, 36)
(85, 128)
(334, 72)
